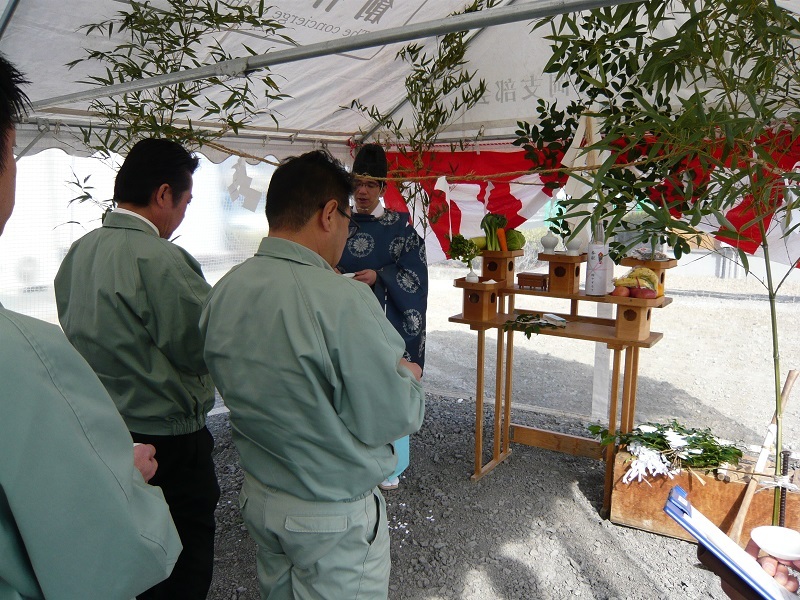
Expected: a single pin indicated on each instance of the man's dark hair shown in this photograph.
(371, 161)
(150, 164)
(13, 102)
(302, 185)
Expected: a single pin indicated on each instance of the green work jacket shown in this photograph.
(130, 303)
(309, 366)
(76, 518)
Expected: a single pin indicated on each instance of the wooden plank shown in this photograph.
(462, 282)
(577, 328)
(473, 325)
(559, 442)
(659, 302)
(562, 257)
(569, 317)
(641, 505)
(488, 467)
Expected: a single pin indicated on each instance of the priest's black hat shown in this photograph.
(371, 160)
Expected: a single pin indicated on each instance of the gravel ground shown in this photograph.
(531, 528)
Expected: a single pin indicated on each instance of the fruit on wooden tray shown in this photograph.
(641, 282)
(640, 277)
(621, 290)
(638, 292)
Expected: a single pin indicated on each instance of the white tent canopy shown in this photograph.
(345, 50)
(353, 44)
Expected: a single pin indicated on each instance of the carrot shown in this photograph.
(501, 239)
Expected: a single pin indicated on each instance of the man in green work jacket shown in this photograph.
(314, 376)
(77, 519)
(130, 300)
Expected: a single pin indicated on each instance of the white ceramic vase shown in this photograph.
(472, 276)
(549, 243)
(573, 246)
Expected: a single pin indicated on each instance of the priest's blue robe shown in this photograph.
(390, 246)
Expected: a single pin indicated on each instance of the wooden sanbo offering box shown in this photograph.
(633, 322)
(565, 272)
(499, 266)
(480, 299)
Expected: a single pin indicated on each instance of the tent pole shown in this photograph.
(5, 19)
(238, 66)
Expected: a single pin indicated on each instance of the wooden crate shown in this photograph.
(641, 506)
(536, 281)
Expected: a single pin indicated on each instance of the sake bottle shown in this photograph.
(599, 267)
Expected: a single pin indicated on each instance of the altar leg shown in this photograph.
(634, 377)
(509, 378)
(629, 389)
(479, 405)
(498, 398)
(611, 450)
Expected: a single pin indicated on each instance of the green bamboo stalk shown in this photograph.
(776, 361)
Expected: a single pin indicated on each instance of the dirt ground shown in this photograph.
(531, 528)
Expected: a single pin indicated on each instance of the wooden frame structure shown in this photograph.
(624, 335)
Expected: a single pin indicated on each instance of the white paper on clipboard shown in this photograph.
(724, 548)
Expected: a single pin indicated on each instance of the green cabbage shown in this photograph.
(515, 240)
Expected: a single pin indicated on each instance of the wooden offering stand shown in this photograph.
(624, 335)
(499, 265)
(565, 271)
(480, 298)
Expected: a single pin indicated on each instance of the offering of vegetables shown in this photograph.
(514, 239)
(479, 241)
(490, 224)
(501, 239)
(463, 249)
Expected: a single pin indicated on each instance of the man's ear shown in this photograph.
(163, 196)
(328, 214)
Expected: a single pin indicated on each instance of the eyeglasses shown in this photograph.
(367, 183)
(352, 228)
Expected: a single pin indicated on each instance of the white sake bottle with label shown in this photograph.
(599, 266)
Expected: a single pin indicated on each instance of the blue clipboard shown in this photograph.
(711, 537)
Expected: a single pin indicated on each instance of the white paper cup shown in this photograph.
(780, 542)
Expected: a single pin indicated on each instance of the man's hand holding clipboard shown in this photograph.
(743, 576)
